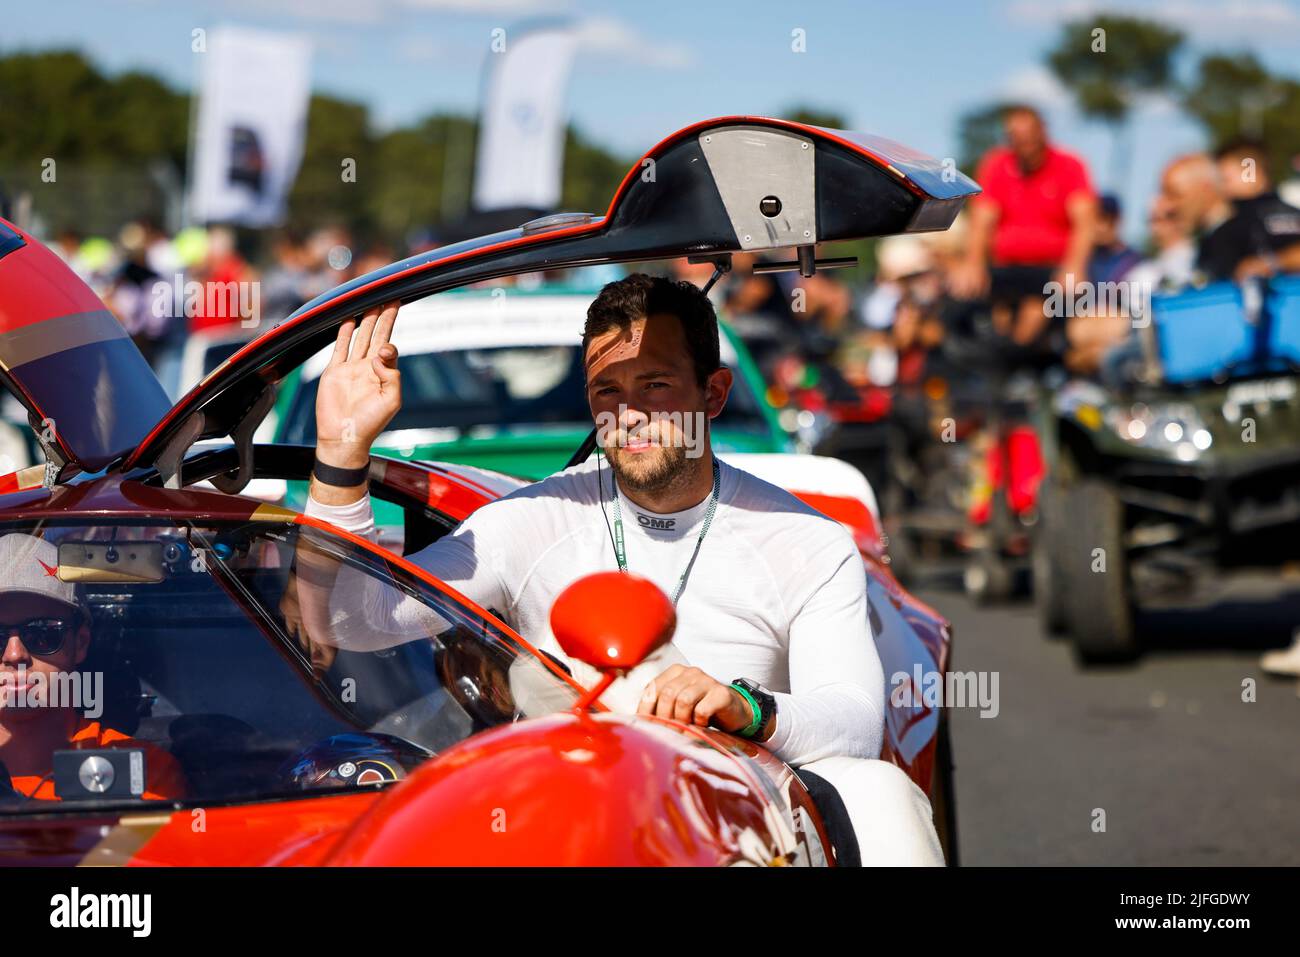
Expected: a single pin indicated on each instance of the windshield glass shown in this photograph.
(147, 662)
(511, 388)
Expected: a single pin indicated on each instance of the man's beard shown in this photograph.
(663, 470)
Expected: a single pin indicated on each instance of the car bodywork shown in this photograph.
(118, 451)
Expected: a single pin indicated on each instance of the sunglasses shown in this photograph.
(41, 636)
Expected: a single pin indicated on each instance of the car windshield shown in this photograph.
(183, 662)
(514, 388)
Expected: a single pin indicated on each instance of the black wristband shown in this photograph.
(342, 478)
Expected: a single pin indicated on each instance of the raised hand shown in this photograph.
(360, 390)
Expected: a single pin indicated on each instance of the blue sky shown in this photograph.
(903, 70)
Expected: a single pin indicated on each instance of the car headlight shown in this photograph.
(1166, 427)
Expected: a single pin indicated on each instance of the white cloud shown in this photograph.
(610, 37)
(1156, 103)
(1216, 21)
(335, 11)
(380, 11)
(1258, 19)
(601, 37)
(484, 7)
(1028, 11)
(1037, 86)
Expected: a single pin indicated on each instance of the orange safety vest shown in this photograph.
(165, 781)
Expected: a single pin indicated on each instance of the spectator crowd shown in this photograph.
(1039, 227)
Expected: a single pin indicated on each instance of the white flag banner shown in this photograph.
(252, 120)
(520, 158)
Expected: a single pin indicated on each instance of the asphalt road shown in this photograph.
(1185, 771)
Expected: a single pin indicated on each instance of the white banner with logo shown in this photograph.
(520, 158)
(254, 90)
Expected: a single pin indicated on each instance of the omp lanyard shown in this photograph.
(620, 550)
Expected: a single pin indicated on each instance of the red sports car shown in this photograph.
(198, 727)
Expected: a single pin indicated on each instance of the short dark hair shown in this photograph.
(1248, 145)
(638, 296)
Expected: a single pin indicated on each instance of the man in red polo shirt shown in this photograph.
(1033, 224)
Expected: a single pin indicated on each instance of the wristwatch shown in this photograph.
(763, 705)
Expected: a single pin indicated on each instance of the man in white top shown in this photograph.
(772, 640)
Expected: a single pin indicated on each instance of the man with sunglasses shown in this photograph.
(44, 638)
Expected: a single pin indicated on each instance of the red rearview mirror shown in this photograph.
(612, 620)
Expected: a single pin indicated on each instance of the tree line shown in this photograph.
(1109, 63)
